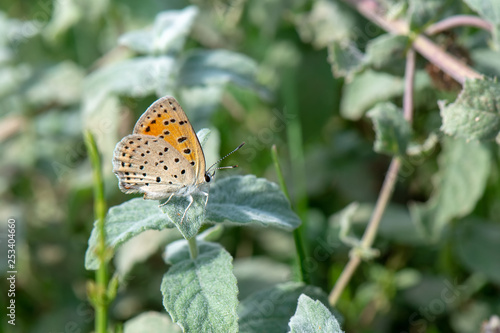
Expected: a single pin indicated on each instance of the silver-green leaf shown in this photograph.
(387, 53)
(270, 310)
(464, 170)
(248, 199)
(201, 294)
(346, 59)
(392, 130)
(124, 222)
(167, 35)
(475, 115)
(312, 317)
(151, 322)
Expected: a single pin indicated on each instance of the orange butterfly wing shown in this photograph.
(166, 119)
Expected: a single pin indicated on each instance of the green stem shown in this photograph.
(297, 160)
(385, 192)
(101, 277)
(193, 247)
(297, 235)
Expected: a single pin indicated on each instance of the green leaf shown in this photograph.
(151, 322)
(124, 222)
(392, 130)
(235, 200)
(167, 36)
(201, 294)
(346, 59)
(370, 87)
(422, 13)
(423, 149)
(490, 11)
(138, 77)
(475, 114)
(387, 53)
(60, 84)
(367, 89)
(327, 22)
(477, 246)
(270, 310)
(65, 15)
(201, 102)
(312, 317)
(217, 67)
(463, 171)
(247, 199)
(186, 215)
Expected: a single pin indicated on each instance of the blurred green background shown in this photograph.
(253, 71)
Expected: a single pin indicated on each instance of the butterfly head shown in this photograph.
(209, 176)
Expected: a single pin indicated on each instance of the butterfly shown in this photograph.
(163, 156)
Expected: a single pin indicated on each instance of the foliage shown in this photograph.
(330, 85)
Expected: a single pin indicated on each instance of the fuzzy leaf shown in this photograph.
(463, 171)
(387, 53)
(370, 87)
(476, 112)
(425, 12)
(136, 77)
(247, 199)
(367, 89)
(490, 11)
(217, 67)
(236, 200)
(346, 59)
(312, 317)
(201, 294)
(327, 21)
(187, 217)
(392, 130)
(168, 34)
(151, 322)
(270, 310)
(124, 222)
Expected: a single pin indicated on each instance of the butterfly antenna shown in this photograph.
(220, 160)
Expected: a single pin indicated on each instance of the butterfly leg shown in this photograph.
(191, 200)
(166, 202)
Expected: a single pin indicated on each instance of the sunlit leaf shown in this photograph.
(270, 310)
(387, 53)
(312, 317)
(201, 294)
(464, 169)
(392, 130)
(250, 200)
(167, 35)
(475, 114)
(151, 322)
(346, 59)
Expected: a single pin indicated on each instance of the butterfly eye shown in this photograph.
(208, 177)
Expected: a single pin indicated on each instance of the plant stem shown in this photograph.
(101, 277)
(458, 21)
(385, 192)
(193, 247)
(297, 236)
(297, 161)
(372, 10)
